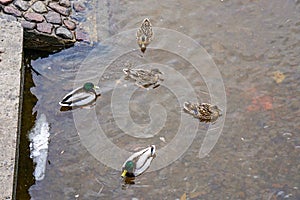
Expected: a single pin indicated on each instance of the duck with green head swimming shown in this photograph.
(80, 96)
(138, 162)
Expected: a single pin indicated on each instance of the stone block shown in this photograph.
(12, 11)
(44, 27)
(69, 24)
(33, 17)
(22, 5)
(60, 9)
(28, 25)
(53, 17)
(64, 33)
(39, 7)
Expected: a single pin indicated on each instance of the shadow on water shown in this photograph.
(32, 78)
(25, 167)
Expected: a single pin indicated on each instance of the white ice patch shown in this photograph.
(39, 139)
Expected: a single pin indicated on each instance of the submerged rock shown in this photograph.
(79, 7)
(81, 35)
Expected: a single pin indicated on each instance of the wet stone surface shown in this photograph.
(81, 35)
(79, 7)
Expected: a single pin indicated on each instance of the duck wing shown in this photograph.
(78, 97)
(144, 167)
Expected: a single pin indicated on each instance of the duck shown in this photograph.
(80, 96)
(138, 162)
(144, 78)
(204, 111)
(144, 34)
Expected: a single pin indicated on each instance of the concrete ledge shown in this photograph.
(11, 44)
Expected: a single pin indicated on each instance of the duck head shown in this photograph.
(128, 169)
(89, 87)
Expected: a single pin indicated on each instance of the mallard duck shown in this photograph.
(144, 34)
(138, 162)
(203, 111)
(80, 96)
(144, 78)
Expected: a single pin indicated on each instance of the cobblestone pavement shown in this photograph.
(47, 23)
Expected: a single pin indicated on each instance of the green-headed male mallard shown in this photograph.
(138, 162)
(144, 34)
(80, 96)
(203, 111)
(144, 78)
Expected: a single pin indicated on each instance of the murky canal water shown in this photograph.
(255, 46)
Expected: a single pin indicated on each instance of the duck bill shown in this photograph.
(96, 87)
(143, 47)
(124, 173)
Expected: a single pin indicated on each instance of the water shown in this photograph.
(257, 153)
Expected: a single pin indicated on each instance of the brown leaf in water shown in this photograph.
(197, 194)
(278, 76)
(183, 197)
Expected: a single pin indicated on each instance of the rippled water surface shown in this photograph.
(252, 47)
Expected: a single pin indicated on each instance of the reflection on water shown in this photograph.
(39, 139)
(257, 155)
